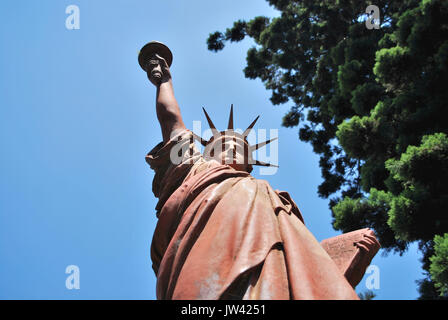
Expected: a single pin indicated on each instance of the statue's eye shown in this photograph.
(153, 62)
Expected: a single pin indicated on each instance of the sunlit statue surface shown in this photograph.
(221, 233)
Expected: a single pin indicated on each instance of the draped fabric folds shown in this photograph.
(222, 234)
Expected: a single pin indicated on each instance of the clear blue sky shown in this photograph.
(77, 117)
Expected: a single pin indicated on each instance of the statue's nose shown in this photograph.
(231, 145)
(158, 67)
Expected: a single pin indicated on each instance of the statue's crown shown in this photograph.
(235, 135)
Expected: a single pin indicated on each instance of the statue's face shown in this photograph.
(232, 151)
(154, 69)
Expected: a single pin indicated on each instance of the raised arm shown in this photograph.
(167, 109)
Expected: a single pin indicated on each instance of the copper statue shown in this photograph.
(221, 233)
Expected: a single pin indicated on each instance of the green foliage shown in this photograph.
(419, 211)
(367, 295)
(365, 97)
(439, 264)
(392, 67)
(352, 214)
(349, 75)
(354, 136)
(427, 290)
(370, 102)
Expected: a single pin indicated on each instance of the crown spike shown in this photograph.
(210, 123)
(246, 132)
(262, 144)
(265, 164)
(230, 125)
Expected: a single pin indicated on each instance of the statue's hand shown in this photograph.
(158, 70)
(368, 244)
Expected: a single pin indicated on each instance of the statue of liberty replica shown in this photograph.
(221, 233)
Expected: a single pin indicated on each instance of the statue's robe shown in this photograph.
(222, 234)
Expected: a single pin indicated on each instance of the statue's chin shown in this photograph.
(234, 163)
(238, 167)
(156, 75)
